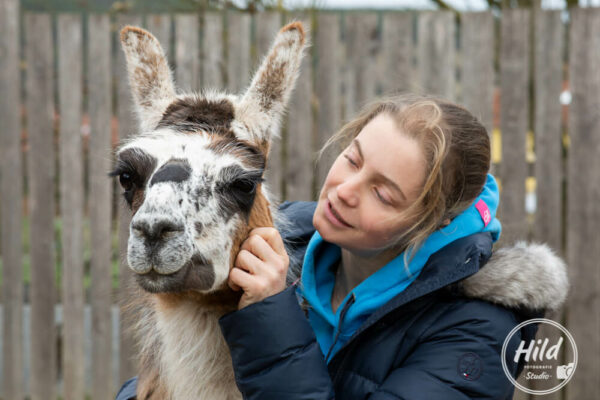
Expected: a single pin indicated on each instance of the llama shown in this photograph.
(193, 178)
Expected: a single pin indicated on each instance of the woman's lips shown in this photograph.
(334, 217)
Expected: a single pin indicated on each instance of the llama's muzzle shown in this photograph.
(157, 244)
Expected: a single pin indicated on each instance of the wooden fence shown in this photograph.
(64, 103)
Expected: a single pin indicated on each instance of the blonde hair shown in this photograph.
(456, 147)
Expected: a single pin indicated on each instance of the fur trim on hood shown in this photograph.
(526, 275)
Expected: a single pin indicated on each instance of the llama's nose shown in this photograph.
(156, 229)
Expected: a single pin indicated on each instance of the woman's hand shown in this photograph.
(260, 267)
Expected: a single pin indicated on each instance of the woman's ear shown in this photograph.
(446, 222)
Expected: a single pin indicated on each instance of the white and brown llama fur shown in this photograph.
(193, 179)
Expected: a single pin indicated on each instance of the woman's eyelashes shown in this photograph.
(381, 198)
(351, 161)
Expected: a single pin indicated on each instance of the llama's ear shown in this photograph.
(264, 102)
(149, 75)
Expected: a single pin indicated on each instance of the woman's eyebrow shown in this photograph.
(387, 180)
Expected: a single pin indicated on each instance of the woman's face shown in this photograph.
(376, 177)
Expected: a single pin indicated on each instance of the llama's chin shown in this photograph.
(154, 282)
(197, 274)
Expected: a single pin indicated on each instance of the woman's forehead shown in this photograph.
(392, 153)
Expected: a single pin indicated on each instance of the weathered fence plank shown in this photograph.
(213, 61)
(127, 126)
(160, 26)
(238, 51)
(40, 129)
(299, 172)
(477, 65)
(397, 53)
(11, 198)
(70, 65)
(514, 109)
(267, 24)
(327, 89)
(583, 188)
(436, 54)
(100, 195)
(362, 51)
(187, 57)
(548, 76)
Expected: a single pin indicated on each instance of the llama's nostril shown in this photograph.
(167, 228)
(158, 230)
(141, 229)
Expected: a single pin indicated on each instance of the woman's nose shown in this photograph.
(348, 192)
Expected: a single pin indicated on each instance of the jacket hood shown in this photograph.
(523, 276)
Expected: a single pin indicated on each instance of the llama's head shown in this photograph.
(193, 175)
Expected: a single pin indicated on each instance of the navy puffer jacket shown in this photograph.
(429, 342)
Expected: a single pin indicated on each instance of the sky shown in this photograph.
(461, 5)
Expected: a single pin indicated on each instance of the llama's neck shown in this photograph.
(193, 359)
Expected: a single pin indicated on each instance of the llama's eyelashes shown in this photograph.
(127, 179)
(120, 168)
(133, 168)
(237, 190)
(135, 161)
(234, 173)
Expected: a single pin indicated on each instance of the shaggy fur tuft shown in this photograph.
(525, 275)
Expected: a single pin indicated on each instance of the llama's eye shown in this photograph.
(244, 185)
(126, 180)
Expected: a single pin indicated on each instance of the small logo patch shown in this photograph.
(470, 366)
(484, 211)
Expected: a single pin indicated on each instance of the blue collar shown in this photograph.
(333, 330)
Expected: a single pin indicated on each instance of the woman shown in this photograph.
(404, 222)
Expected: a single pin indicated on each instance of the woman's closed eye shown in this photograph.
(351, 161)
(381, 198)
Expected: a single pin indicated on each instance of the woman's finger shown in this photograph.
(234, 286)
(257, 245)
(240, 279)
(248, 261)
(272, 237)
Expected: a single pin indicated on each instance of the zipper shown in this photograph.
(343, 362)
(342, 314)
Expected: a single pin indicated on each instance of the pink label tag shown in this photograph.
(484, 211)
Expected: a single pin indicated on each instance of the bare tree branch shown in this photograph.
(443, 5)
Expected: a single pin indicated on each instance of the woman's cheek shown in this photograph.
(379, 228)
(372, 226)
